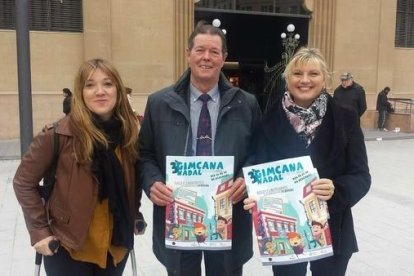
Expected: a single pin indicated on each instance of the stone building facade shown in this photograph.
(146, 41)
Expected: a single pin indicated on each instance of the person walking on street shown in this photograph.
(383, 108)
(308, 122)
(93, 209)
(351, 94)
(170, 124)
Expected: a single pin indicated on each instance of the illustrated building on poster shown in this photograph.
(291, 223)
(200, 216)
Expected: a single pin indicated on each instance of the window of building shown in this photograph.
(188, 217)
(313, 207)
(266, 8)
(404, 30)
(276, 6)
(294, 9)
(322, 205)
(46, 15)
(285, 227)
(222, 203)
(180, 213)
(279, 228)
(7, 14)
(271, 225)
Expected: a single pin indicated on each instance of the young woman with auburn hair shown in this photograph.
(93, 208)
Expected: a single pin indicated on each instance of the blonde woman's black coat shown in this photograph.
(337, 151)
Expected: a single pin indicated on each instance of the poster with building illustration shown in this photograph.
(291, 223)
(200, 217)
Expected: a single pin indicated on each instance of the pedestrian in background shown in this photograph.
(128, 91)
(307, 121)
(67, 98)
(170, 127)
(93, 208)
(129, 96)
(351, 94)
(383, 108)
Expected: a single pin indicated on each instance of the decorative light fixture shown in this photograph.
(217, 23)
(289, 41)
(273, 80)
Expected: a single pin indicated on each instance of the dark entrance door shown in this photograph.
(253, 40)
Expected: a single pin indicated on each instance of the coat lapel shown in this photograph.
(177, 103)
(330, 139)
(281, 134)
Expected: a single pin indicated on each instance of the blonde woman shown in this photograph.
(94, 205)
(308, 121)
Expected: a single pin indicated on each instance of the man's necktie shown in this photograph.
(204, 139)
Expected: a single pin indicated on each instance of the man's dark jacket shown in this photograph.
(337, 151)
(382, 101)
(352, 97)
(166, 130)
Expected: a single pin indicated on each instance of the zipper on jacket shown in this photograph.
(186, 141)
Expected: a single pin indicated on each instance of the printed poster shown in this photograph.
(291, 223)
(200, 217)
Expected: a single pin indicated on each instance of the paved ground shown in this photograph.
(383, 219)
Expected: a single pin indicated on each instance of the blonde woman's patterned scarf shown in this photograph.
(305, 121)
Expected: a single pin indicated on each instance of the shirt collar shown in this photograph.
(195, 93)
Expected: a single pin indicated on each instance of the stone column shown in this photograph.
(322, 27)
(97, 29)
(183, 26)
